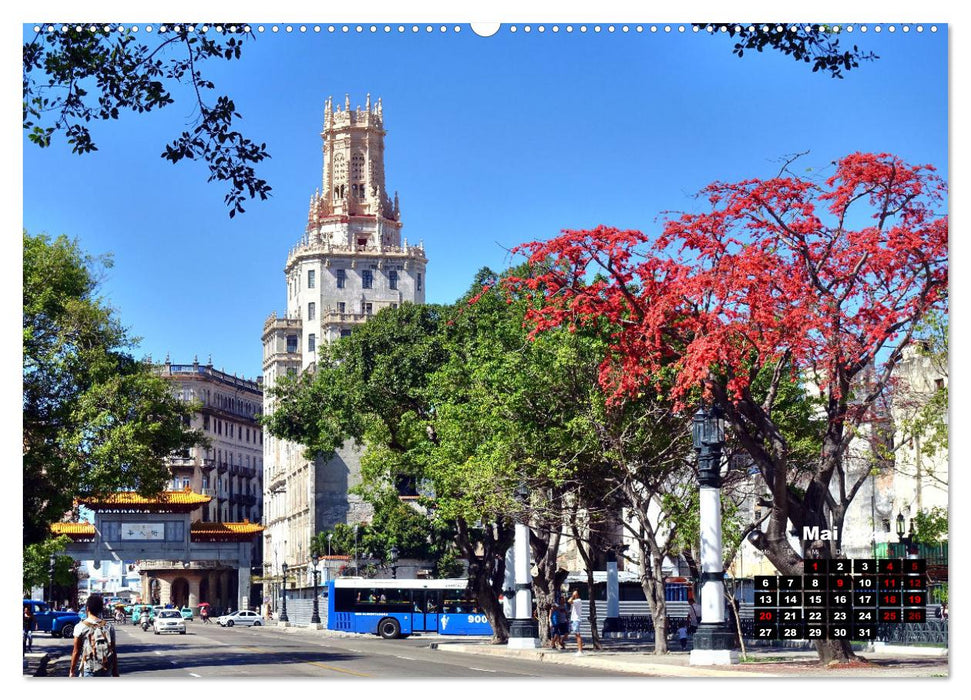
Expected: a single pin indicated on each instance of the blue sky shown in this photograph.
(491, 142)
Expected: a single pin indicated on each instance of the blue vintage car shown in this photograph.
(58, 623)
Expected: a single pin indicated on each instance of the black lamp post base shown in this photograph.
(524, 634)
(713, 645)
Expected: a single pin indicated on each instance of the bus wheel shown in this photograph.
(389, 628)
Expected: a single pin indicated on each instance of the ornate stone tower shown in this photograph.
(350, 263)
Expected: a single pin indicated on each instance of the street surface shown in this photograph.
(210, 651)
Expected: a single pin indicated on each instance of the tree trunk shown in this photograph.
(835, 651)
(544, 543)
(588, 565)
(486, 572)
(652, 583)
(592, 611)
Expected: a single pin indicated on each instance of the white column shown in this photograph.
(712, 592)
(509, 585)
(243, 574)
(522, 625)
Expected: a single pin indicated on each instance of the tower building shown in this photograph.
(350, 263)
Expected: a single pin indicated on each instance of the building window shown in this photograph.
(392, 279)
(291, 343)
(341, 278)
(205, 422)
(366, 308)
(367, 279)
(311, 279)
(311, 311)
(341, 306)
(345, 332)
(418, 283)
(312, 342)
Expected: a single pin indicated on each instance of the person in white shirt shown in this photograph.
(576, 613)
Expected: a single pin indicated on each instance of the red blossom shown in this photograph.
(775, 267)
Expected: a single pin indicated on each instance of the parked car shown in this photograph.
(57, 622)
(240, 617)
(169, 621)
(186, 614)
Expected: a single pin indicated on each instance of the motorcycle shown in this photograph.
(146, 625)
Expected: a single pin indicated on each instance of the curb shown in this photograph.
(900, 650)
(606, 661)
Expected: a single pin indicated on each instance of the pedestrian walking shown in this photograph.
(30, 624)
(683, 636)
(694, 614)
(204, 614)
(94, 653)
(556, 615)
(576, 613)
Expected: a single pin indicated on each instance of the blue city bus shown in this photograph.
(396, 608)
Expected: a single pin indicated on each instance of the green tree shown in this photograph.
(930, 526)
(37, 564)
(78, 74)
(95, 420)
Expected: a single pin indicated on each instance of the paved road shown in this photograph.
(210, 651)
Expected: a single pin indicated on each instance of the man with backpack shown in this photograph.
(94, 651)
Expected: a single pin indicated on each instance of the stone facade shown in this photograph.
(230, 469)
(350, 263)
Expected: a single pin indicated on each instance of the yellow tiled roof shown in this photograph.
(243, 528)
(75, 529)
(123, 498)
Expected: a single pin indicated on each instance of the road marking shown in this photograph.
(356, 651)
(195, 675)
(173, 662)
(339, 670)
(487, 670)
(406, 658)
(159, 653)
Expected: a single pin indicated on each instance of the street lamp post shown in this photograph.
(315, 618)
(283, 612)
(50, 574)
(357, 564)
(904, 537)
(524, 631)
(713, 641)
(394, 561)
(330, 536)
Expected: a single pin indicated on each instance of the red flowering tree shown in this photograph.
(782, 278)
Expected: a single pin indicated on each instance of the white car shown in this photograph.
(169, 621)
(240, 617)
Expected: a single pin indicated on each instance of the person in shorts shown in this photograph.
(576, 614)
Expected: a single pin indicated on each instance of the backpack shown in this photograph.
(97, 647)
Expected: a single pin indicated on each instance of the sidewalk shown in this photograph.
(627, 657)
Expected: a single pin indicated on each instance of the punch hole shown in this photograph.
(485, 29)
